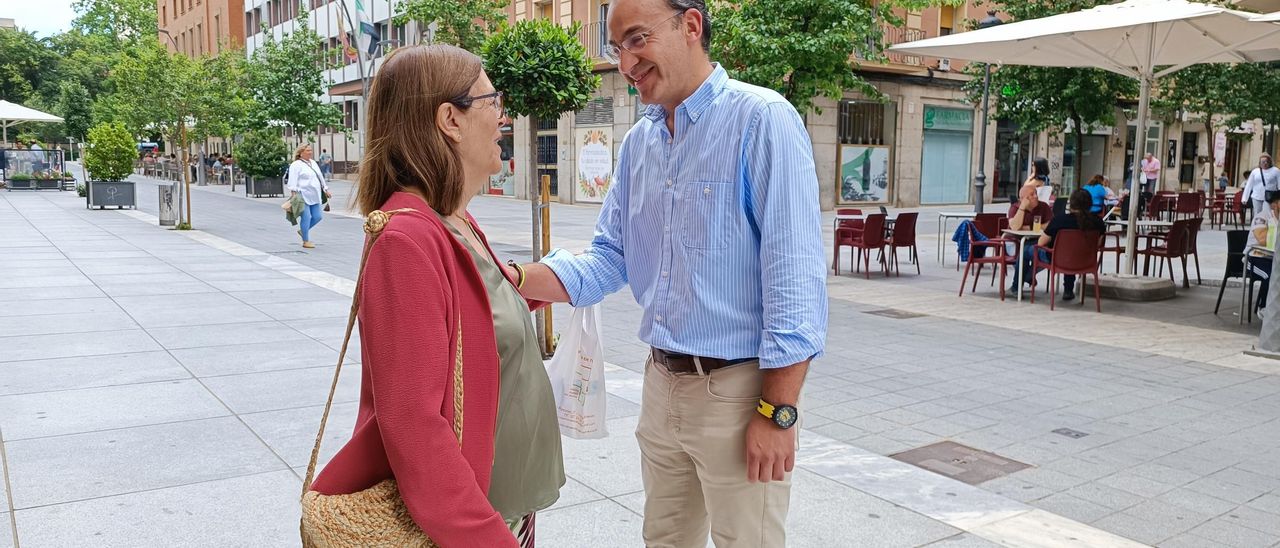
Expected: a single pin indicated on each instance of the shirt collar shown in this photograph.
(698, 103)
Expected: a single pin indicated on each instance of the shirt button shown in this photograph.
(668, 140)
(668, 182)
(666, 228)
(664, 273)
(657, 318)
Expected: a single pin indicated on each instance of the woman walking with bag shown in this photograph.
(457, 437)
(306, 182)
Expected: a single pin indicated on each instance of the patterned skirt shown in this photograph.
(523, 530)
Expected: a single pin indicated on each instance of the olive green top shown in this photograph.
(528, 466)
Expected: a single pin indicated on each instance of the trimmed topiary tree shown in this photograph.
(263, 156)
(111, 152)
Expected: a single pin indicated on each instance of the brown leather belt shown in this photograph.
(684, 363)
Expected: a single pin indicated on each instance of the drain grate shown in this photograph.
(960, 462)
(895, 314)
(1073, 434)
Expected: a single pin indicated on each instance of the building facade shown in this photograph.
(916, 145)
(199, 27)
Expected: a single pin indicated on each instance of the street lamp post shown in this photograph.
(980, 185)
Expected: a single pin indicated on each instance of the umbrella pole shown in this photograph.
(1139, 146)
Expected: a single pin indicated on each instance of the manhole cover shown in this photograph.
(972, 466)
(1073, 434)
(895, 314)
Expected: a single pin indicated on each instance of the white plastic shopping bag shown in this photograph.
(577, 376)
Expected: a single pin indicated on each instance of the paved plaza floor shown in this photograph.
(162, 388)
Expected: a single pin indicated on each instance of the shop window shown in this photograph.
(861, 123)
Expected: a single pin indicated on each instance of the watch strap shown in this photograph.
(765, 408)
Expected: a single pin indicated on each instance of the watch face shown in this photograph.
(785, 416)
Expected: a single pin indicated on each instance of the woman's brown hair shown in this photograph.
(1096, 180)
(404, 147)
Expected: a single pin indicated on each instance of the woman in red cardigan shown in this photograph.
(434, 123)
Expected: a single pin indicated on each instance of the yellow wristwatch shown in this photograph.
(782, 415)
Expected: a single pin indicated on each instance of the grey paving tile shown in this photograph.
(217, 335)
(610, 466)
(1109, 497)
(1231, 534)
(291, 433)
(612, 525)
(1255, 519)
(826, 513)
(1266, 503)
(37, 347)
(83, 466)
(1071, 507)
(1196, 501)
(574, 493)
(6, 531)
(197, 309)
(176, 289)
(963, 540)
(1187, 540)
(233, 359)
(328, 308)
(88, 372)
(1227, 491)
(51, 324)
(87, 305)
(1016, 489)
(272, 296)
(271, 390)
(254, 510)
(73, 411)
(1137, 485)
(46, 282)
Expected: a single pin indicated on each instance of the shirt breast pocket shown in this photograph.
(707, 218)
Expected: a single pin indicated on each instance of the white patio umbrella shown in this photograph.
(12, 114)
(1142, 39)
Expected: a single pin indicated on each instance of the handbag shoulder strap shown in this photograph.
(373, 226)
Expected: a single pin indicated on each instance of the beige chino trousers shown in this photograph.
(692, 435)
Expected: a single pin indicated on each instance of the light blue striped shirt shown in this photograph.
(718, 231)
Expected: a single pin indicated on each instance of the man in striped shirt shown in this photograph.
(714, 222)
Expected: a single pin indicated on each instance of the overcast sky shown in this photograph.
(44, 17)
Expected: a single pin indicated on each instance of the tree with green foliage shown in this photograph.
(286, 79)
(127, 21)
(463, 23)
(263, 154)
(543, 72)
(1212, 93)
(76, 109)
(1046, 98)
(28, 66)
(802, 48)
(111, 152)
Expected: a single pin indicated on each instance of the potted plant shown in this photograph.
(263, 158)
(109, 160)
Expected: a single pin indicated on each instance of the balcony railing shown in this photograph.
(900, 35)
(594, 36)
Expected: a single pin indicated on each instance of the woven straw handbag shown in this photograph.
(377, 516)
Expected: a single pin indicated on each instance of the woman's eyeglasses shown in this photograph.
(489, 99)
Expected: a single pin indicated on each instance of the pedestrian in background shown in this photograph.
(1150, 171)
(326, 163)
(306, 182)
(1263, 178)
(432, 284)
(714, 222)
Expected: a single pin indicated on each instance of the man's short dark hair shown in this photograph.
(700, 5)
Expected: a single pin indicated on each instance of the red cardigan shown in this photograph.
(418, 280)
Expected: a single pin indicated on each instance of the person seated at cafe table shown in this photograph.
(1098, 191)
(1078, 217)
(1262, 233)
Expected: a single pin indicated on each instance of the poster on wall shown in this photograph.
(864, 174)
(595, 163)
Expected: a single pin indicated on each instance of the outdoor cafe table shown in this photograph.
(888, 221)
(942, 225)
(1245, 307)
(1022, 236)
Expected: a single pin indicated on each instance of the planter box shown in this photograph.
(118, 194)
(269, 186)
(48, 184)
(21, 185)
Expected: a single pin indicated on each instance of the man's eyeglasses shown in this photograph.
(489, 99)
(633, 43)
